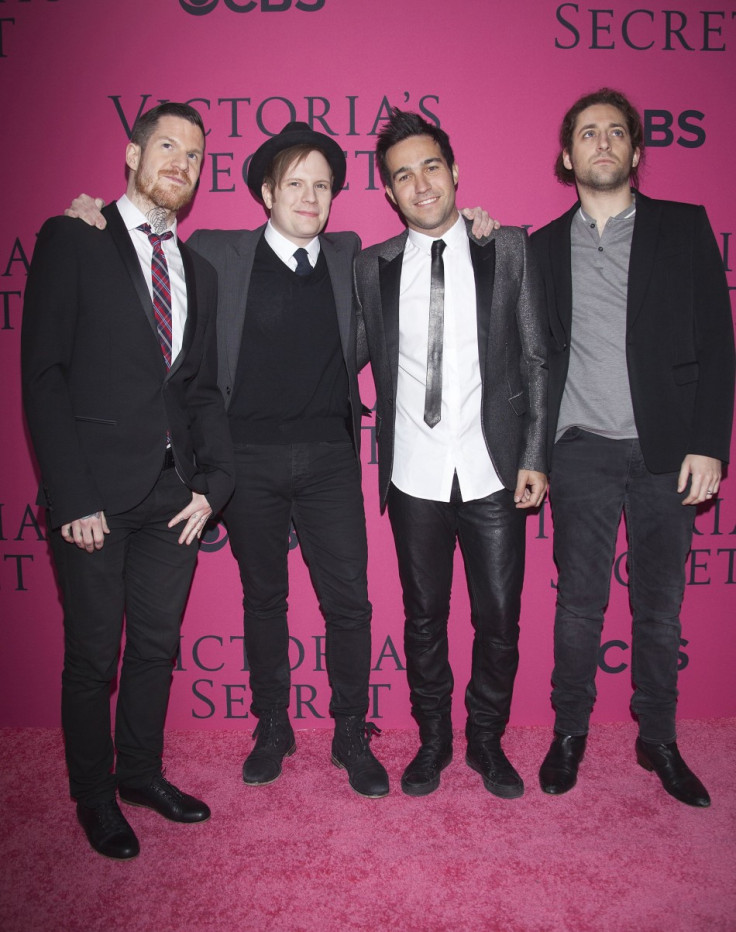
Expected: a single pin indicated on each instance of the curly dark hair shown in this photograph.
(604, 95)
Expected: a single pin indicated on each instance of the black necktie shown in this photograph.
(303, 266)
(433, 393)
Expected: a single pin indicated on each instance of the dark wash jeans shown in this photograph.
(595, 479)
(491, 532)
(317, 485)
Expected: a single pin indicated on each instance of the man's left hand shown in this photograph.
(530, 488)
(704, 474)
(483, 223)
(195, 515)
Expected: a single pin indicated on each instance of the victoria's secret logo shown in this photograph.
(202, 7)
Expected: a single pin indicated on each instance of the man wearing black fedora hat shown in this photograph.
(288, 375)
(287, 371)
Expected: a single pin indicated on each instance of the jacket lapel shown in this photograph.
(341, 278)
(192, 310)
(643, 248)
(389, 274)
(125, 247)
(484, 267)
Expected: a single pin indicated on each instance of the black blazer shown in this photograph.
(679, 342)
(511, 348)
(97, 395)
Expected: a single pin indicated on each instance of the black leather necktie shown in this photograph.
(303, 266)
(433, 393)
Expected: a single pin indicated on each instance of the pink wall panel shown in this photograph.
(498, 76)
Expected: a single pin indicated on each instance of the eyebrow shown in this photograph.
(406, 168)
(597, 125)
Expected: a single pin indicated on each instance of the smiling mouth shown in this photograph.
(427, 201)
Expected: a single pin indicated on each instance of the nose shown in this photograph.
(603, 140)
(179, 160)
(421, 183)
(310, 195)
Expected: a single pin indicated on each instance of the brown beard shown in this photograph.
(161, 195)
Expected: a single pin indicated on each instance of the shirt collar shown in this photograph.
(453, 237)
(133, 217)
(285, 249)
(626, 214)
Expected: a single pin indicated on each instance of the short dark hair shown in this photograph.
(283, 160)
(146, 123)
(402, 125)
(605, 95)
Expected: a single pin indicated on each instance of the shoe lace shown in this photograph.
(270, 730)
(169, 788)
(359, 733)
(110, 817)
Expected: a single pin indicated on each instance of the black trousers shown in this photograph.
(143, 574)
(595, 481)
(491, 532)
(317, 485)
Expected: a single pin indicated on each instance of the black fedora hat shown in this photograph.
(296, 134)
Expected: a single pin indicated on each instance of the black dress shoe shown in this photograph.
(108, 831)
(422, 776)
(486, 756)
(166, 799)
(559, 770)
(274, 741)
(677, 778)
(351, 750)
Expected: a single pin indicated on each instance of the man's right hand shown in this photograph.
(87, 533)
(88, 209)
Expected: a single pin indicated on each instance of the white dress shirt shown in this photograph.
(133, 218)
(285, 249)
(425, 459)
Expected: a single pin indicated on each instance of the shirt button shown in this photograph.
(600, 249)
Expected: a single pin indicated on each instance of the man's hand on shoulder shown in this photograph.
(87, 533)
(483, 223)
(704, 473)
(530, 488)
(88, 209)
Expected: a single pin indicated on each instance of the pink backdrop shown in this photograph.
(498, 76)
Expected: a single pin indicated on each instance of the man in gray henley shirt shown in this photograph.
(641, 384)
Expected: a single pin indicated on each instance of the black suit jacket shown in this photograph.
(511, 347)
(97, 395)
(679, 331)
(232, 252)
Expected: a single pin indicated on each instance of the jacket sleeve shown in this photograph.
(714, 342)
(50, 312)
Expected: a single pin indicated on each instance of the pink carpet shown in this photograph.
(307, 854)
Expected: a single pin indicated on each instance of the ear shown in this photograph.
(267, 195)
(454, 173)
(132, 156)
(390, 194)
(566, 160)
(635, 159)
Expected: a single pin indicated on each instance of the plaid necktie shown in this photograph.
(161, 289)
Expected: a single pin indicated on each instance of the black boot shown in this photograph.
(559, 770)
(677, 778)
(486, 756)
(274, 741)
(351, 749)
